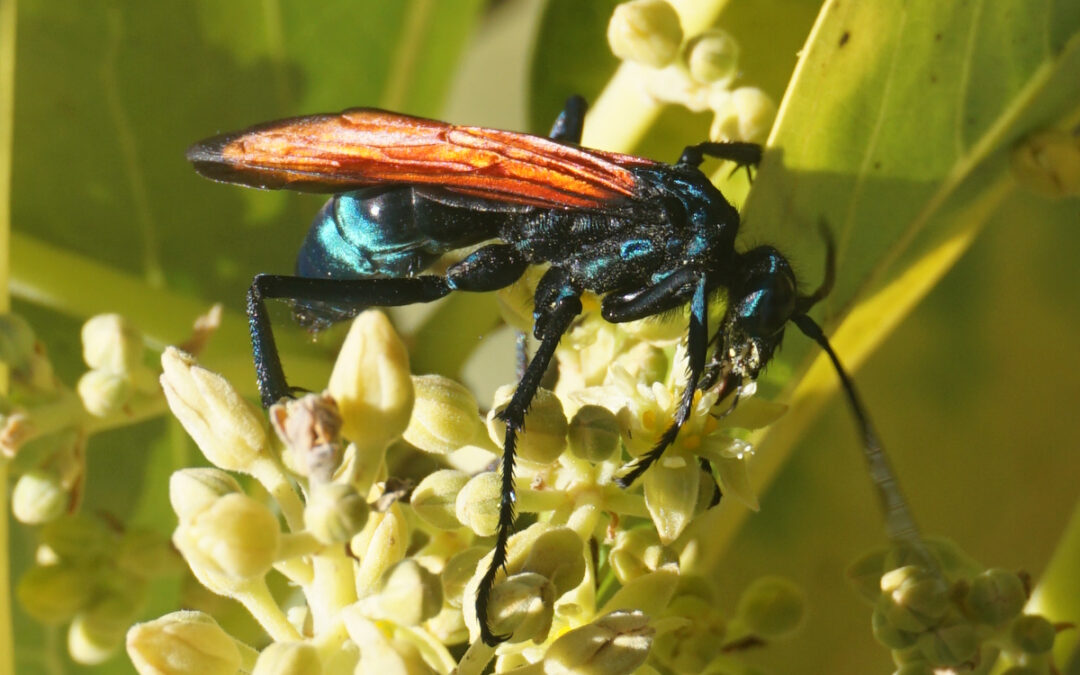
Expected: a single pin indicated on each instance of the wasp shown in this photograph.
(645, 236)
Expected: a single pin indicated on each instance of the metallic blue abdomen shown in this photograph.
(367, 233)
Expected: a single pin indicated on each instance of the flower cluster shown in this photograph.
(387, 572)
(89, 572)
(945, 613)
(692, 71)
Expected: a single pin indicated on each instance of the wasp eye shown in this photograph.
(767, 305)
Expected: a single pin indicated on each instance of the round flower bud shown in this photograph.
(614, 644)
(457, 572)
(1033, 634)
(38, 497)
(772, 607)
(407, 594)
(558, 555)
(913, 598)
(435, 498)
(746, 114)
(1048, 163)
(288, 658)
(445, 416)
(240, 535)
(76, 537)
(111, 343)
(104, 392)
(477, 504)
(949, 645)
(888, 634)
(646, 32)
(53, 594)
(522, 607)
(334, 512)
(543, 438)
(18, 344)
(230, 433)
(712, 56)
(371, 382)
(594, 433)
(90, 646)
(192, 491)
(995, 597)
(182, 642)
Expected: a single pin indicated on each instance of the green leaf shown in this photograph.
(896, 133)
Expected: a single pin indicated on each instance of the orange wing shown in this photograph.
(364, 147)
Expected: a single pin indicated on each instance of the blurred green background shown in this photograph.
(974, 393)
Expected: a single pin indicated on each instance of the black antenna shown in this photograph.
(899, 521)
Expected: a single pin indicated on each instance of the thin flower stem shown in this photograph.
(256, 598)
(333, 588)
(275, 481)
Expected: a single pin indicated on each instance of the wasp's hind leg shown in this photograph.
(486, 269)
(558, 302)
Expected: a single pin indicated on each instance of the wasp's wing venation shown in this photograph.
(364, 147)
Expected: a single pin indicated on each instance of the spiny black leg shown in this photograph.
(706, 466)
(358, 293)
(568, 124)
(743, 154)
(558, 318)
(697, 341)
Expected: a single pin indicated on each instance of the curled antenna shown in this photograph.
(805, 302)
(899, 522)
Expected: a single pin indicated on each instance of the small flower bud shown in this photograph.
(226, 428)
(594, 433)
(435, 498)
(690, 650)
(192, 491)
(543, 438)
(646, 32)
(746, 115)
(888, 634)
(288, 658)
(104, 392)
(335, 512)
(1033, 634)
(53, 594)
(76, 537)
(445, 416)
(949, 645)
(772, 607)
(995, 597)
(522, 607)
(613, 644)
(712, 56)
(477, 504)
(558, 555)
(18, 344)
(649, 593)
(380, 545)
(310, 428)
(112, 344)
(1048, 163)
(457, 572)
(182, 642)
(371, 382)
(39, 497)
(637, 552)
(913, 598)
(90, 646)
(407, 595)
(240, 535)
